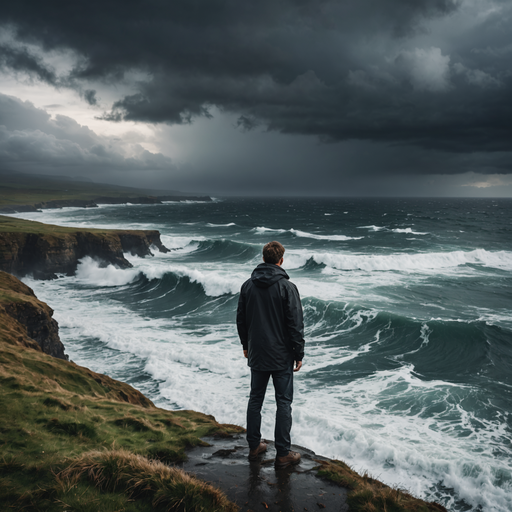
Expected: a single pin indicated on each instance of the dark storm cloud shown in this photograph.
(336, 70)
(90, 97)
(28, 136)
(20, 59)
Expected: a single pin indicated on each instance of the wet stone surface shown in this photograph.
(257, 486)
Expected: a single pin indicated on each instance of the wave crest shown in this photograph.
(261, 230)
(404, 262)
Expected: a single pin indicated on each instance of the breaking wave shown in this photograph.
(304, 234)
(404, 262)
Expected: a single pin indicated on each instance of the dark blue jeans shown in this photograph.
(283, 386)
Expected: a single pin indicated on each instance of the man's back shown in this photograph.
(269, 319)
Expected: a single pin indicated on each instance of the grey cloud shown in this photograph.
(246, 123)
(30, 138)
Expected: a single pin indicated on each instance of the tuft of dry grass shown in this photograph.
(369, 495)
(168, 488)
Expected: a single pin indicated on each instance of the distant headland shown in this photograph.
(30, 193)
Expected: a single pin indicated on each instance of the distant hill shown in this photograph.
(18, 188)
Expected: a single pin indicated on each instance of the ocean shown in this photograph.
(408, 316)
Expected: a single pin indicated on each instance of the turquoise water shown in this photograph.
(408, 312)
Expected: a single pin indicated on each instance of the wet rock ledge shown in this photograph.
(43, 250)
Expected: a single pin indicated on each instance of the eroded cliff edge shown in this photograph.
(25, 320)
(44, 250)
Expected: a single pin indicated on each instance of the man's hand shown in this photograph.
(298, 366)
(246, 354)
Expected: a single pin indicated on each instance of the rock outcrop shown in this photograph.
(25, 320)
(43, 250)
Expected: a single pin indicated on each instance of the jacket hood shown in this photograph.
(266, 274)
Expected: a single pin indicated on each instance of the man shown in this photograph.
(271, 329)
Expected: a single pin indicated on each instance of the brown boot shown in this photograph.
(287, 460)
(261, 448)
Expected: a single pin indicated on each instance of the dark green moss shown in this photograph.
(71, 428)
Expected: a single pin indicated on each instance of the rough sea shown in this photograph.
(408, 314)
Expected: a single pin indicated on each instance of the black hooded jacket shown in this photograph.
(269, 319)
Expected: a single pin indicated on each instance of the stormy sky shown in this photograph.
(324, 97)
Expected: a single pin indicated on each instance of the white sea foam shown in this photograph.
(408, 231)
(261, 230)
(397, 230)
(89, 272)
(209, 224)
(200, 372)
(403, 448)
(305, 234)
(213, 282)
(181, 242)
(372, 228)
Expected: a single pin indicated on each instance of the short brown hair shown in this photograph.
(273, 252)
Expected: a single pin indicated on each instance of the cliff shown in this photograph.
(44, 250)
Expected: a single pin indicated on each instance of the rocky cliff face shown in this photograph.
(139, 243)
(43, 251)
(25, 320)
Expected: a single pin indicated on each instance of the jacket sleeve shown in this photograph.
(294, 321)
(241, 321)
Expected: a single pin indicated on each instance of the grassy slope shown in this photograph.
(72, 439)
(15, 225)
